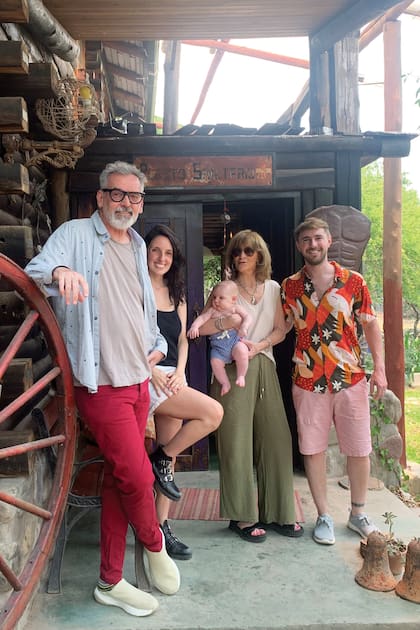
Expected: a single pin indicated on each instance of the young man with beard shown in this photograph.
(326, 302)
(96, 272)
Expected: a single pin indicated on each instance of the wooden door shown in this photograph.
(185, 219)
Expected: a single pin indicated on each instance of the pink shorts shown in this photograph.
(348, 410)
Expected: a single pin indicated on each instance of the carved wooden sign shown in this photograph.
(207, 171)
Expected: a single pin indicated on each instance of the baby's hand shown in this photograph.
(242, 332)
(193, 332)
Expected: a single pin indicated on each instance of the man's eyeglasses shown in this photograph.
(237, 251)
(118, 195)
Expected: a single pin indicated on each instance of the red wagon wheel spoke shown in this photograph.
(20, 336)
(51, 395)
(29, 394)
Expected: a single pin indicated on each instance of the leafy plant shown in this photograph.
(411, 356)
(394, 545)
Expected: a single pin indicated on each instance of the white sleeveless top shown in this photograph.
(263, 314)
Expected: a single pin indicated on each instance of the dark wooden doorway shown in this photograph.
(185, 219)
(274, 217)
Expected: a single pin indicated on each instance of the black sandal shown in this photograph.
(292, 530)
(246, 532)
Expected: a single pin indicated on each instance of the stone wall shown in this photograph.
(19, 529)
(385, 439)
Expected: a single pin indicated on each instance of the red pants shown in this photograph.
(117, 417)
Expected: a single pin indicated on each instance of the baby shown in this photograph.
(225, 346)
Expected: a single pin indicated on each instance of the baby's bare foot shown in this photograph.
(225, 388)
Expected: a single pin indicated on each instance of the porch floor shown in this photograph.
(230, 584)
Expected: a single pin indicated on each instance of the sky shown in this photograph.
(250, 92)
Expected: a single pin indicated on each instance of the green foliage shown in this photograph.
(412, 424)
(411, 355)
(372, 205)
(212, 273)
(389, 518)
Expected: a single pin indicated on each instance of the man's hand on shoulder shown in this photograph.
(71, 285)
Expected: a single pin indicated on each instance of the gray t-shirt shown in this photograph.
(123, 359)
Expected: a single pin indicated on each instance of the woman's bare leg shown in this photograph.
(202, 414)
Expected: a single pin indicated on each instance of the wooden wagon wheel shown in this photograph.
(60, 419)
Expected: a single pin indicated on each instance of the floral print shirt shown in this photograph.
(327, 351)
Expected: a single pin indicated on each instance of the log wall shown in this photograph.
(27, 72)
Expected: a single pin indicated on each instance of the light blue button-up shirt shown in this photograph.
(79, 245)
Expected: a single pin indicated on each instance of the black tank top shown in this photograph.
(170, 327)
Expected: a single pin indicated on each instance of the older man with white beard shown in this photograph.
(95, 270)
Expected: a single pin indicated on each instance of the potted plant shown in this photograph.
(397, 549)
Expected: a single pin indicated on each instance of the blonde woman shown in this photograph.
(255, 428)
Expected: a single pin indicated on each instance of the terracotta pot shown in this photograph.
(396, 558)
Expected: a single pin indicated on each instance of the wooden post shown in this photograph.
(392, 267)
(171, 91)
(60, 196)
(319, 94)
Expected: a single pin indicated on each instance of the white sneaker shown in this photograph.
(163, 571)
(361, 524)
(126, 596)
(324, 530)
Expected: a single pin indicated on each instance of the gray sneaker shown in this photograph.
(324, 530)
(361, 524)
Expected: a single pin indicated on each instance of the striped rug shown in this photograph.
(202, 504)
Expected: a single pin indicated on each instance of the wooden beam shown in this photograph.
(299, 107)
(14, 57)
(44, 26)
(344, 77)
(16, 11)
(14, 178)
(126, 49)
(41, 82)
(376, 27)
(171, 91)
(352, 19)
(124, 73)
(16, 243)
(320, 122)
(135, 99)
(248, 52)
(217, 58)
(392, 235)
(13, 115)
(19, 464)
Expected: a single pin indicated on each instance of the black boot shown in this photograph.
(162, 467)
(174, 547)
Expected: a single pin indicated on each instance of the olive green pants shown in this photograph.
(255, 431)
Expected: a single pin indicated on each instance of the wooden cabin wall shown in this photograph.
(27, 72)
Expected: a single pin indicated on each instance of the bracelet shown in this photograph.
(219, 323)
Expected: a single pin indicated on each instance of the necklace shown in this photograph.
(251, 294)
